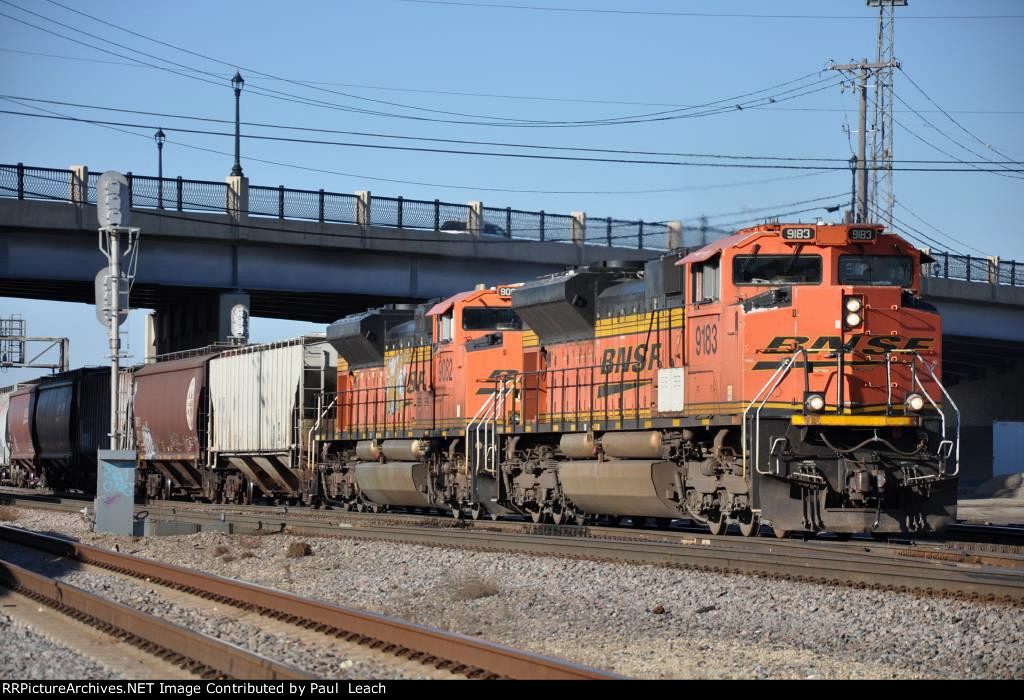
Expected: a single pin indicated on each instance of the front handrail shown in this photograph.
(956, 410)
(483, 429)
(766, 391)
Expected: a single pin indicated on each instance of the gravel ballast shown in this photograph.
(24, 653)
(643, 621)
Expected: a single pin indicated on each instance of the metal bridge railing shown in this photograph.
(178, 194)
(973, 269)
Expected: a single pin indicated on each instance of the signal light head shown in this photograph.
(853, 320)
(853, 304)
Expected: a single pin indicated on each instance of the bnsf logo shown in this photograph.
(631, 359)
(869, 345)
(801, 233)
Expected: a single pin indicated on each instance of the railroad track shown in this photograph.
(199, 653)
(456, 653)
(922, 567)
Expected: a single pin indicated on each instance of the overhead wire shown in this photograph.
(550, 147)
(475, 188)
(680, 13)
(497, 154)
(491, 95)
(502, 121)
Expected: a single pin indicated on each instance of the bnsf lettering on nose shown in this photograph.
(631, 359)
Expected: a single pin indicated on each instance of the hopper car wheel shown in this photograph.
(718, 525)
(537, 516)
(457, 513)
(614, 520)
(559, 516)
(779, 532)
(750, 526)
(476, 511)
(663, 523)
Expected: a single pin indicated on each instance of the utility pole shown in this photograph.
(862, 71)
(882, 130)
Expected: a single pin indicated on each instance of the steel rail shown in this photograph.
(196, 651)
(925, 569)
(455, 652)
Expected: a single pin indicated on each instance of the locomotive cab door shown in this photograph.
(704, 335)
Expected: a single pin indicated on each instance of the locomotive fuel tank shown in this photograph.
(621, 486)
(394, 483)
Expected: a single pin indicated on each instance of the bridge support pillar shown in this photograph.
(237, 205)
(675, 235)
(475, 222)
(363, 207)
(195, 321)
(579, 227)
(79, 184)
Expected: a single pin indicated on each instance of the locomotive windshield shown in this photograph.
(776, 269)
(485, 318)
(876, 270)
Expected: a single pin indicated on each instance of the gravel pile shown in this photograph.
(24, 653)
(636, 620)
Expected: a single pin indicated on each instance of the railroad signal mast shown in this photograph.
(113, 212)
(880, 161)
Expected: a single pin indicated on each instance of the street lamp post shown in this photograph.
(160, 137)
(237, 84)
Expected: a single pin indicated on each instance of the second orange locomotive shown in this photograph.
(786, 375)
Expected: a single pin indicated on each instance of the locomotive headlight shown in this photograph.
(814, 403)
(853, 311)
(914, 402)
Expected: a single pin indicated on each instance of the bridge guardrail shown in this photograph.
(185, 195)
(178, 194)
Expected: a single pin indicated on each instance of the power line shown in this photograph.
(938, 230)
(948, 116)
(754, 210)
(492, 95)
(586, 149)
(472, 188)
(676, 13)
(503, 121)
(496, 154)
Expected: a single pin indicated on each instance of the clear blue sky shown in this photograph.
(535, 65)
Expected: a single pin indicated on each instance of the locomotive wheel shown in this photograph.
(637, 521)
(718, 525)
(751, 526)
(663, 523)
(614, 520)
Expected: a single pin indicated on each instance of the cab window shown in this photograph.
(706, 281)
(876, 270)
(490, 318)
(446, 325)
(776, 269)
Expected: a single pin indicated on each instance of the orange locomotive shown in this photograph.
(788, 374)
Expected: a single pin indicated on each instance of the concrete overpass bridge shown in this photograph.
(313, 255)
